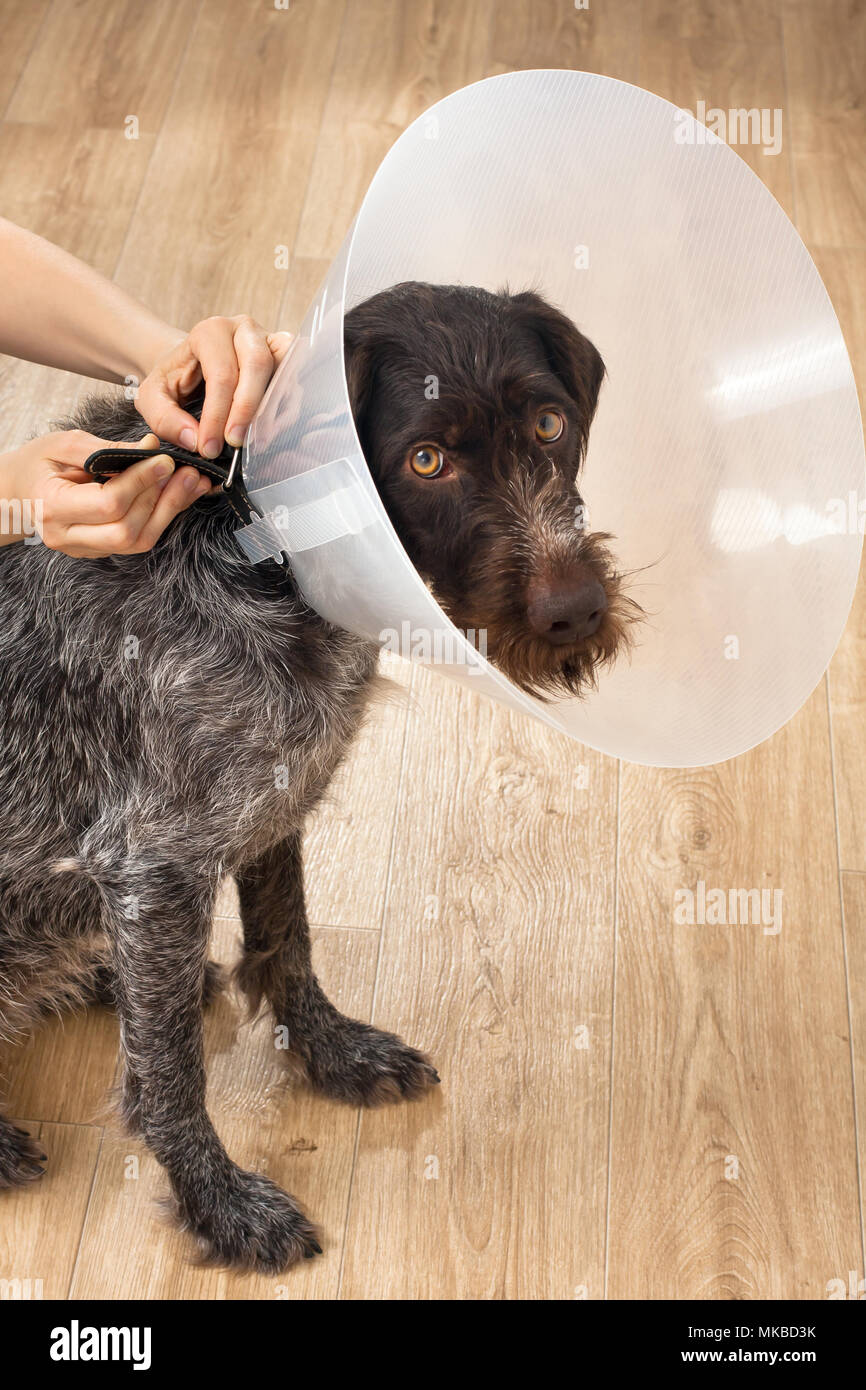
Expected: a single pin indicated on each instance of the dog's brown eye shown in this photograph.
(427, 461)
(549, 426)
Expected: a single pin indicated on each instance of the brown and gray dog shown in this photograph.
(130, 787)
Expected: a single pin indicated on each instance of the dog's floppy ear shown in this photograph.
(359, 373)
(362, 334)
(574, 359)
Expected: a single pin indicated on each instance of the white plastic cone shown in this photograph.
(727, 453)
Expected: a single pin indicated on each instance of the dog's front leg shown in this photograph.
(158, 919)
(344, 1058)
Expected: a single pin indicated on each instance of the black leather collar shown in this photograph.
(224, 471)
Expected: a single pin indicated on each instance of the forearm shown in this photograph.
(59, 311)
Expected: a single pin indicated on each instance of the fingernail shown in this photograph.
(212, 448)
(187, 438)
(203, 487)
(235, 435)
(163, 470)
(191, 481)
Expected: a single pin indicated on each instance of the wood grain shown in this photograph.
(394, 60)
(739, 21)
(496, 959)
(20, 26)
(347, 844)
(854, 911)
(844, 274)
(63, 1071)
(518, 921)
(598, 38)
(729, 76)
(302, 1142)
(733, 1157)
(824, 47)
(104, 61)
(230, 169)
(41, 1227)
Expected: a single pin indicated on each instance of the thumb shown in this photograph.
(158, 407)
(279, 344)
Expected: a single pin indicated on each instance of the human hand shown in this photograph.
(235, 358)
(71, 512)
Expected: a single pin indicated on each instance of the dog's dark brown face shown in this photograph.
(473, 410)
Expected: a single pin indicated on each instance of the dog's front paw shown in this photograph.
(354, 1062)
(21, 1157)
(252, 1224)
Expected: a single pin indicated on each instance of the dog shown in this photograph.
(146, 700)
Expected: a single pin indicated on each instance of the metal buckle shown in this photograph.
(234, 463)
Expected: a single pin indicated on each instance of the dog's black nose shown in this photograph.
(566, 611)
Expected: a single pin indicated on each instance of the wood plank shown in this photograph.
(64, 1069)
(844, 274)
(854, 910)
(729, 76)
(77, 186)
(752, 21)
(731, 1041)
(496, 960)
(848, 713)
(41, 1222)
(598, 38)
(232, 161)
(347, 845)
(104, 61)
(395, 58)
(824, 47)
(31, 398)
(20, 25)
(304, 277)
(304, 1143)
(831, 199)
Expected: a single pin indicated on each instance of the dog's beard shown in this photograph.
(550, 672)
(497, 622)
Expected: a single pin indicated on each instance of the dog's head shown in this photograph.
(474, 410)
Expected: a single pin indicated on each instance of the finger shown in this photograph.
(180, 494)
(183, 489)
(114, 537)
(141, 526)
(158, 405)
(74, 447)
(71, 448)
(103, 504)
(214, 344)
(256, 363)
(279, 344)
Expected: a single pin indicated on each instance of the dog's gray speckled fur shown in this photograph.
(169, 718)
(166, 719)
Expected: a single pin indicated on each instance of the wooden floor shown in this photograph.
(628, 1109)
